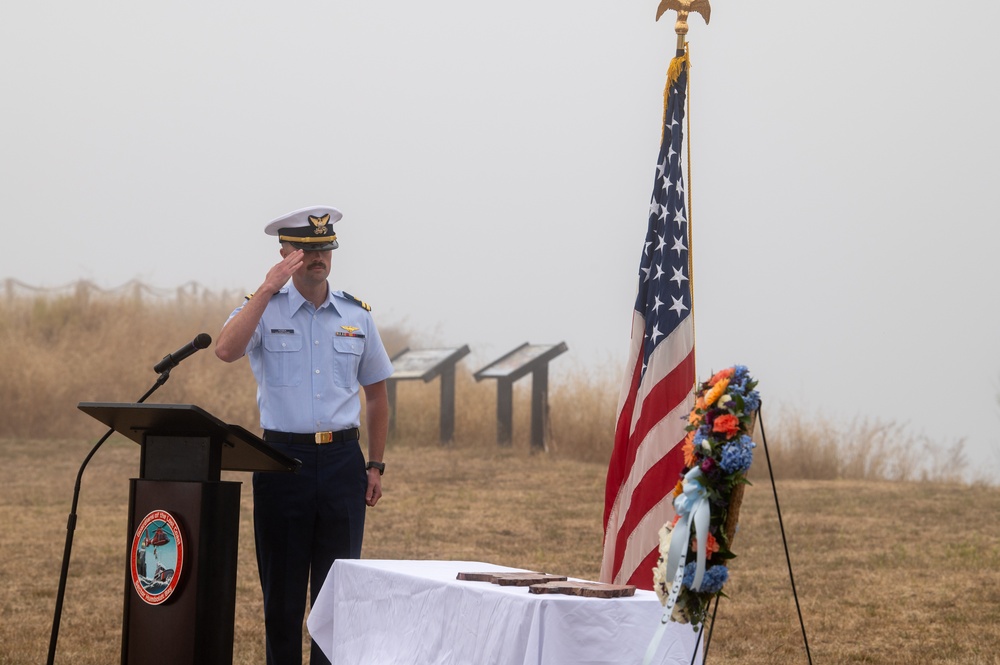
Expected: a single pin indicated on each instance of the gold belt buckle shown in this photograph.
(324, 437)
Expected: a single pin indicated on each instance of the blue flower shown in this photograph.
(711, 582)
(737, 455)
(741, 385)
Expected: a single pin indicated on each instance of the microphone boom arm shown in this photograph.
(163, 367)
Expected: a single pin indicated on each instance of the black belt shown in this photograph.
(318, 438)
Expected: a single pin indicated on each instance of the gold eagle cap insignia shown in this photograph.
(683, 8)
(350, 329)
(320, 224)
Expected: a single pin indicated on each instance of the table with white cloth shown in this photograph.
(417, 612)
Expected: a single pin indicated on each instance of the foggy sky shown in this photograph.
(494, 163)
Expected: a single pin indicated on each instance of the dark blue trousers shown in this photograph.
(303, 522)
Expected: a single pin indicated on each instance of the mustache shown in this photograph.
(317, 264)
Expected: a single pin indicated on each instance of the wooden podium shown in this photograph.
(183, 531)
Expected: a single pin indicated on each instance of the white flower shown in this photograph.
(658, 586)
(666, 531)
(660, 572)
(680, 613)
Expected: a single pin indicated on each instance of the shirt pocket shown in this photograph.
(284, 360)
(347, 360)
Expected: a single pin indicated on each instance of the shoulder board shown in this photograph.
(250, 295)
(361, 302)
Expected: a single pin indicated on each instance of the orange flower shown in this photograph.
(700, 403)
(722, 374)
(716, 391)
(728, 424)
(678, 488)
(688, 450)
(711, 545)
(694, 418)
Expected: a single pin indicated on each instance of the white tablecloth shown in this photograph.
(416, 612)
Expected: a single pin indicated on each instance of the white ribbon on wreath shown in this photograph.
(695, 514)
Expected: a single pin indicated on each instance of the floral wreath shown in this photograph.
(718, 451)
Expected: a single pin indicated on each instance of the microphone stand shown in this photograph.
(71, 523)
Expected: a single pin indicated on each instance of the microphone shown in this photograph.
(172, 360)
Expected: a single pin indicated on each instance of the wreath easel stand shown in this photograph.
(732, 518)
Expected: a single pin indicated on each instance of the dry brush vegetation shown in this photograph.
(887, 572)
(87, 345)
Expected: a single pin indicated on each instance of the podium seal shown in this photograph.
(157, 557)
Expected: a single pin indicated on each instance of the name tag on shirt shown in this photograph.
(282, 331)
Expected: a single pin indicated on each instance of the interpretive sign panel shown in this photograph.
(526, 359)
(424, 364)
(520, 361)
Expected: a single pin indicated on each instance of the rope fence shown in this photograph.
(15, 289)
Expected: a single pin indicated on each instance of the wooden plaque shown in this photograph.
(476, 577)
(586, 589)
(511, 579)
(527, 579)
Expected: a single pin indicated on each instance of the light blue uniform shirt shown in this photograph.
(310, 363)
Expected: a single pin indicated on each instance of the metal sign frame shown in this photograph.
(426, 365)
(525, 359)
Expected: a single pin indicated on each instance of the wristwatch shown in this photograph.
(376, 465)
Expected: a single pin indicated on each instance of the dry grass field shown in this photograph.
(895, 560)
(886, 572)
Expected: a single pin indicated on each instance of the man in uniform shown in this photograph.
(311, 350)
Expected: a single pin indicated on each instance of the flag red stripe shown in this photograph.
(660, 479)
(663, 398)
(656, 483)
(621, 456)
(642, 576)
(670, 391)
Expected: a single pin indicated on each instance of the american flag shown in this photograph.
(657, 391)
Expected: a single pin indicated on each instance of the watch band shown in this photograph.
(376, 465)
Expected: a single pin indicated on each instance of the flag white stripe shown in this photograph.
(667, 356)
(646, 536)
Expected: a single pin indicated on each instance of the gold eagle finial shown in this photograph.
(683, 8)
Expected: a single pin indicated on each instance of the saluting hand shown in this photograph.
(280, 273)
(236, 334)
